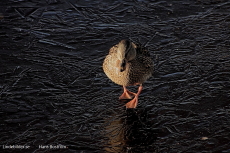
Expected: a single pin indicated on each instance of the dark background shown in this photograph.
(53, 89)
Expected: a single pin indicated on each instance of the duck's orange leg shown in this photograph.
(127, 94)
(134, 101)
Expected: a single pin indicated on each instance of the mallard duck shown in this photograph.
(128, 64)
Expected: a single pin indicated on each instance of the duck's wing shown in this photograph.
(144, 56)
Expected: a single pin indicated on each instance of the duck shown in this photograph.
(128, 64)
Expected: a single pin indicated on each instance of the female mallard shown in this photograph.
(128, 64)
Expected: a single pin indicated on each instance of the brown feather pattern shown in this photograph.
(137, 70)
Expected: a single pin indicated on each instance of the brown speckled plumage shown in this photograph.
(137, 70)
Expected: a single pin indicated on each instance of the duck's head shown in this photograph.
(125, 52)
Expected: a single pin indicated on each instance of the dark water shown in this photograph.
(53, 90)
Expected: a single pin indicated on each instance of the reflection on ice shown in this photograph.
(129, 131)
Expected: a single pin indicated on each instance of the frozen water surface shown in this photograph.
(53, 90)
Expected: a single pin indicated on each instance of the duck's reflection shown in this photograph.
(129, 132)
